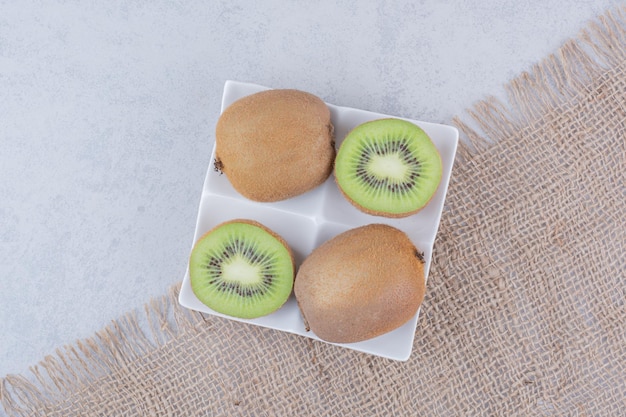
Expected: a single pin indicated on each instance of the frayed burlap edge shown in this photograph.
(552, 83)
(74, 368)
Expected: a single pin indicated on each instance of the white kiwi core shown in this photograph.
(239, 270)
(388, 166)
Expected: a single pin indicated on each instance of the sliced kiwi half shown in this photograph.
(242, 269)
(388, 167)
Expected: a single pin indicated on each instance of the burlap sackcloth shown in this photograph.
(525, 310)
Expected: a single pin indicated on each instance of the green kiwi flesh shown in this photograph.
(242, 269)
(388, 167)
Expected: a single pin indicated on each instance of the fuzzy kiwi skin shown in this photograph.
(361, 284)
(275, 144)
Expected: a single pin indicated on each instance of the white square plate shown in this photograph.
(310, 219)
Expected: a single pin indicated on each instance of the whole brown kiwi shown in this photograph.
(360, 284)
(275, 144)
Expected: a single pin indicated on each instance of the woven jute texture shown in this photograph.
(525, 310)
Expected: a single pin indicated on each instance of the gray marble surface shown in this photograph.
(107, 114)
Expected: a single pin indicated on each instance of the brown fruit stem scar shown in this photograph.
(218, 166)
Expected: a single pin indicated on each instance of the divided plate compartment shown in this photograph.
(308, 220)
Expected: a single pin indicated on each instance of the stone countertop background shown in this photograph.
(107, 115)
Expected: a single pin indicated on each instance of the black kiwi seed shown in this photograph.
(254, 258)
(399, 147)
